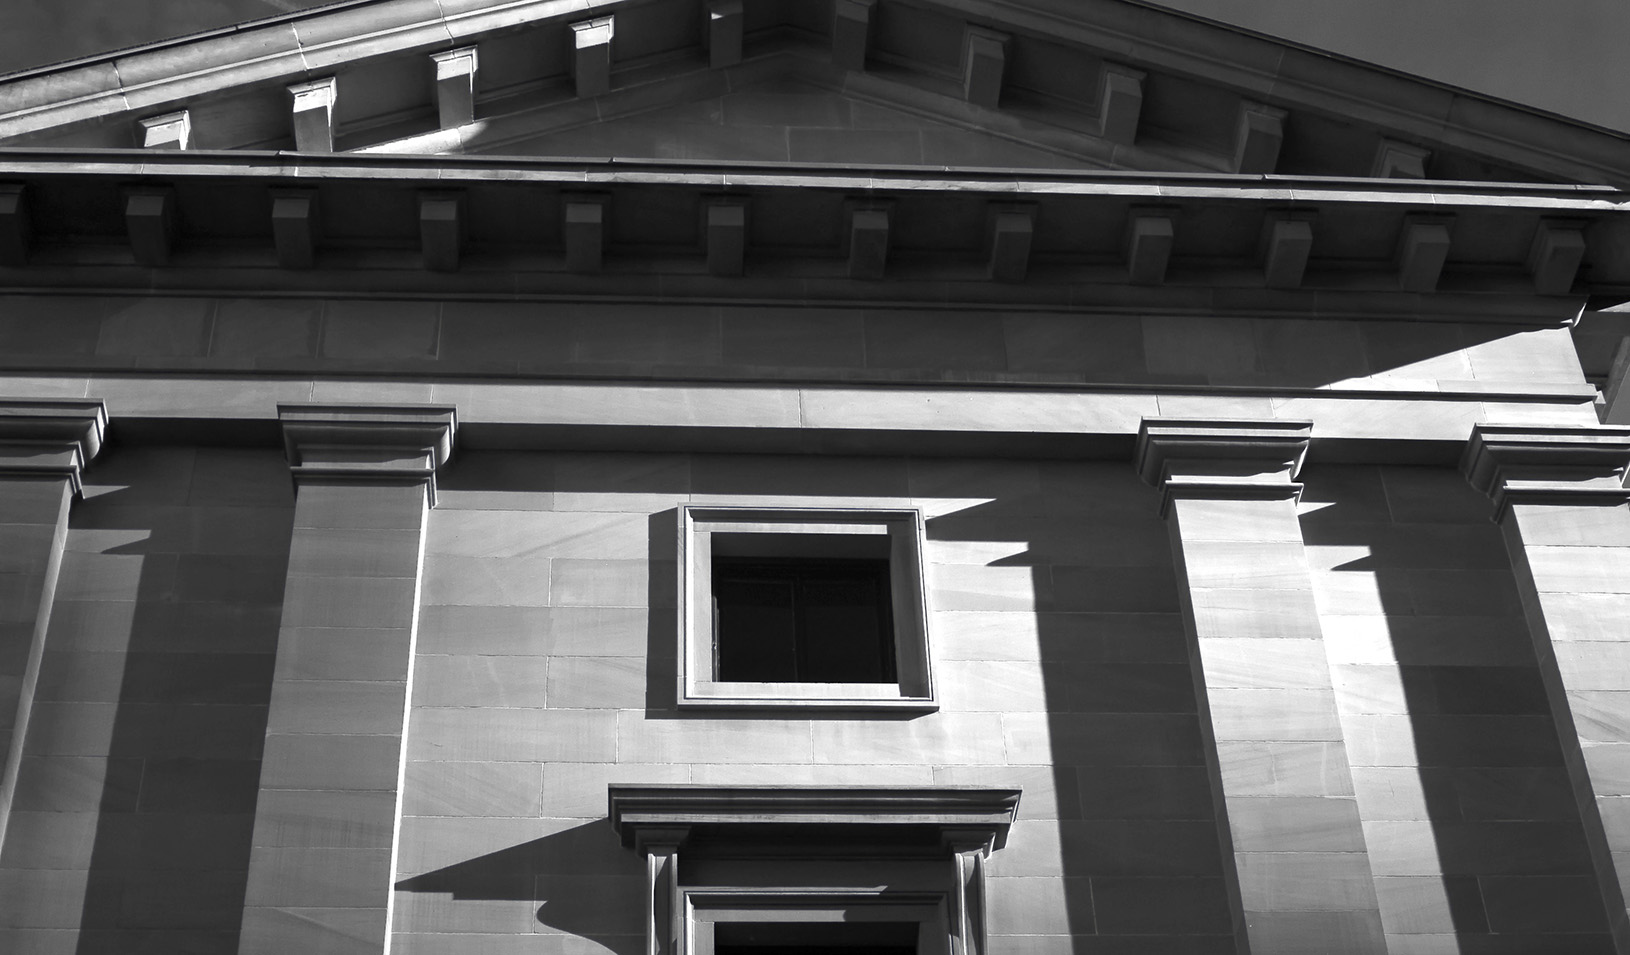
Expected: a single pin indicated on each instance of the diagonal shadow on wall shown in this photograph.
(158, 669)
(577, 881)
(1471, 827)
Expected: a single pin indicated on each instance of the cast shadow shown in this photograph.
(1485, 749)
(582, 881)
(1141, 859)
(170, 854)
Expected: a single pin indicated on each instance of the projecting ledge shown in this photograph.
(953, 811)
(367, 442)
(50, 437)
(1222, 458)
(1538, 463)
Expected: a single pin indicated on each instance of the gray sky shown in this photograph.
(1558, 55)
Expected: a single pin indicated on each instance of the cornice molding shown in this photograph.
(1222, 458)
(1132, 186)
(1302, 77)
(50, 437)
(790, 202)
(367, 443)
(315, 43)
(307, 45)
(1537, 464)
(957, 813)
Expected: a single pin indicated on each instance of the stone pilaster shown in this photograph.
(323, 860)
(1559, 498)
(43, 447)
(1291, 838)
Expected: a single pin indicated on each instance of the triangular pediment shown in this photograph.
(783, 108)
(1061, 84)
(792, 123)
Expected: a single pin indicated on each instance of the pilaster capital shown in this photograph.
(1563, 464)
(661, 840)
(1220, 458)
(368, 443)
(50, 437)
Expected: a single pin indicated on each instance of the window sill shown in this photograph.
(823, 697)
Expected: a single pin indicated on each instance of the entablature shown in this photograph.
(943, 419)
(176, 219)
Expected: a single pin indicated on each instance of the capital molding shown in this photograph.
(50, 437)
(1541, 464)
(982, 815)
(368, 444)
(1222, 458)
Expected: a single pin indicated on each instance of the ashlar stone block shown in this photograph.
(150, 222)
(312, 111)
(1259, 133)
(169, 131)
(591, 55)
(1120, 103)
(723, 31)
(851, 32)
(456, 75)
(16, 225)
(984, 66)
(295, 227)
(1554, 257)
(1423, 246)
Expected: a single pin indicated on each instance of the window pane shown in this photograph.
(756, 629)
(816, 938)
(843, 638)
(803, 620)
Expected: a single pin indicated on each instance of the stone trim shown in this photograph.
(50, 437)
(1222, 458)
(900, 534)
(968, 825)
(941, 919)
(294, 47)
(1368, 277)
(367, 443)
(955, 812)
(1548, 464)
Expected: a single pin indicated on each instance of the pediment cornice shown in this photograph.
(1337, 113)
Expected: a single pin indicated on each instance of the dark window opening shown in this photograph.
(802, 620)
(858, 948)
(816, 938)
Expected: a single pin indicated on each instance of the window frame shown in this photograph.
(902, 531)
(704, 908)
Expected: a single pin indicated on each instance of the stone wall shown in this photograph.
(545, 671)
(136, 794)
(1469, 819)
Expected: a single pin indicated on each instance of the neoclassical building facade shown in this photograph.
(924, 476)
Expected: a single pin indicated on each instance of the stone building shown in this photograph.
(962, 476)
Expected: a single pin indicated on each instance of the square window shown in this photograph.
(808, 608)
